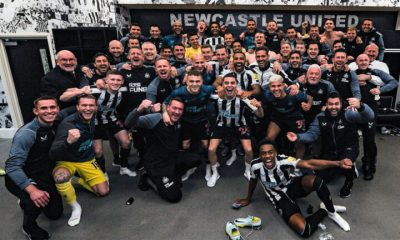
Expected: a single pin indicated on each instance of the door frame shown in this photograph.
(8, 80)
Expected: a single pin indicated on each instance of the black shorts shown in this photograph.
(287, 205)
(241, 132)
(105, 131)
(293, 124)
(199, 131)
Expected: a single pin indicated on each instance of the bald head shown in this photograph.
(116, 48)
(66, 60)
(362, 61)
(198, 62)
(372, 50)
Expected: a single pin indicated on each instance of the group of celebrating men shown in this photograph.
(182, 96)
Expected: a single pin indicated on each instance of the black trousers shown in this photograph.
(168, 182)
(53, 210)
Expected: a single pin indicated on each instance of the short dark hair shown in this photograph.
(178, 99)
(136, 24)
(42, 98)
(291, 27)
(194, 72)
(114, 72)
(87, 96)
(335, 95)
(239, 52)
(221, 46)
(178, 45)
(165, 47)
(314, 42)
(99, 54)
(340, 50)
(228, 75)
(155, 25)
(294, 52)
(237, 41)
(266, 142)
(161, 58)
(214, 22)
(367, 19)
(206, 46)
(262, 48)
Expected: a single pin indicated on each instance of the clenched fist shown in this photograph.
(73, 135)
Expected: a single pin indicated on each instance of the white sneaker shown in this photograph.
(247, 175)
(213, 179)
(127, 171)
(208, 171)
(338, 208)
(339, 221)
(232, 158)
(188, 174)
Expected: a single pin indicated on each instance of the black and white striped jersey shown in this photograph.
(276, 180)
(245, 79)
(214, 41)
(107, 103)
(231, 112)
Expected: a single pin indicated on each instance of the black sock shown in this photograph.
(323, 193)
(312, 222)
(116, 158)
(102, 163)
(124, 157)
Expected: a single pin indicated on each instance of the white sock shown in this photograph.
(75, 215)
(214, 168)
(233, 152)
(248, 166)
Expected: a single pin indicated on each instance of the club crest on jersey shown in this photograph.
(128, 75)
(320, 91)
(147, 75)
(165, 180)
(323, 124)
(44, 138)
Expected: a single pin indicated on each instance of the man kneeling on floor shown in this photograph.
(274, 172)
(73, 150)
(29, 169)
(163, 162)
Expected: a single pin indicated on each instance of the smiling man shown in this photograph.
(337, 127)
(29, 168)
(231, 121)
(72, 149)
(282, 188)
(164, 163)
(66, 76)
(343, 79)
(195, 122)
(286, 111)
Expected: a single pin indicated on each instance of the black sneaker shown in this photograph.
(368, 172)
(143, 184)
(225, 151)
(240, 151)
(34, 232)
(345, 191)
